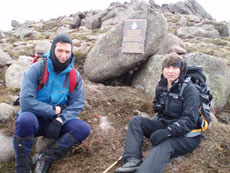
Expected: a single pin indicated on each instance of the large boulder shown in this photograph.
(94, 22)
(76, 22)
(187, 7)
(216, 70)
(106, 60)
(169, 44)
(6, 148)
(42, 46)
(148, 75)
(24, 31)
(217, 73)
(4, 58)
(6, 111)
(14, 72)
(196, 31)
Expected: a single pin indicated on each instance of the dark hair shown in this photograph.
(173, 59)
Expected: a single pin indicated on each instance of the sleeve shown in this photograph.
(190, 115)
(75, 102)
(28, 101)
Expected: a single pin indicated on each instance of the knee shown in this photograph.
(85, 129)
(25, 119)
(81, 132)
(135, 120)
(164, 148)
(26, 122)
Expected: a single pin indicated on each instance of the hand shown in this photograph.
(159, 135)
(60, 108)
(53, 130)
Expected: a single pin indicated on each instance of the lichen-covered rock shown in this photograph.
(106, 60)
(148, 75)
(217, 73)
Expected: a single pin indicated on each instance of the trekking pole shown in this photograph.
(113, 165)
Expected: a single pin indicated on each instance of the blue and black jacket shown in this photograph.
(55, 92)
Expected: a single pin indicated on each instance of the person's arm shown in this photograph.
(189, 118)
(75, 103)
(28, 101)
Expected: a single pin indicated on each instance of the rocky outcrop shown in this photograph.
(4, 58)
(172, 43)
(6, 112)
(106, 60)
(6, 148)
(194, 31)
(14, 73)
(187, 7)
(217, 71)
(24, 31)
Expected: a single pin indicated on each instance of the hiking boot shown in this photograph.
(23, 164)
(130, 166)
(43, 163)
(23, 161)
(54, 152)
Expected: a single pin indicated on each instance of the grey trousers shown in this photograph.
(160, 155)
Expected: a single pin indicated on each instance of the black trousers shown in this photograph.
(160, 155)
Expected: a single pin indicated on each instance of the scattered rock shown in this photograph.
(6, 111)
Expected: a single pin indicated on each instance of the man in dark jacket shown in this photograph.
(167, 133)
(51, 111)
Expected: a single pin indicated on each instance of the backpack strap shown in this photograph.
(72, 80)
(35, 58)
(203, 124)
(43, 74)
(184, 84)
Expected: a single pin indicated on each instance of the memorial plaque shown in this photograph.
(134, 35)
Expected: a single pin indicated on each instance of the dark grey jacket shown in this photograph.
(181, 114)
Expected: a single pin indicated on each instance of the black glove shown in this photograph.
(159, 135)
(53, 130)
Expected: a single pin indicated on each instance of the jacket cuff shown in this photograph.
(62, 118)
(54, 107)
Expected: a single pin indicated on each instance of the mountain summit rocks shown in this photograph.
(106, 60)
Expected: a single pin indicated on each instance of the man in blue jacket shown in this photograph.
(51, 111)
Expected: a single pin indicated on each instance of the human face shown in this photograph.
(63, 51)
(171, 73)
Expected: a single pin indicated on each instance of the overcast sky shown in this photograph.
(22, 10)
